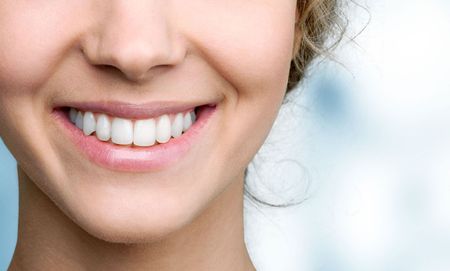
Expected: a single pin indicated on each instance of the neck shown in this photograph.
(49, 240)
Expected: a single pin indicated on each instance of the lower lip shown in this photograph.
(133, 158)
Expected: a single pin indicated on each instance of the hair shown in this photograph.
(319, 27)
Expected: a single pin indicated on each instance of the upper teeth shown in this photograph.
(144, 132)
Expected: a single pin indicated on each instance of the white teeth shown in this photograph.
(163, 129)
(122, 131)
(144, 132)
(79, 120)
(187, 121)
(138, 132)
(103, 129)
(88, 123)
(177, 125)
(73, 115)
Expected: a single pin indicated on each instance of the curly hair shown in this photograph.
(319, 27)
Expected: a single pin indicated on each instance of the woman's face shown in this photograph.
(140, 67)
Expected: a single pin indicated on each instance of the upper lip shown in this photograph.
(135, 111)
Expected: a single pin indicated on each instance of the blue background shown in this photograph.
(8, 206)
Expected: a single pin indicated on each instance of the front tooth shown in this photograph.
(187, 121)
(79, 120)
(163, 129)
(122, 131)
(103, 129)
(144, 132)
(88, 123)
(73, 115)
(177, 125)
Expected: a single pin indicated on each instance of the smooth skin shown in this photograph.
(76, 215)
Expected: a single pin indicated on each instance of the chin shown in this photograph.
(130, 225)
(131, 213)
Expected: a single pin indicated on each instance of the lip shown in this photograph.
(134, 111)
(134, 158)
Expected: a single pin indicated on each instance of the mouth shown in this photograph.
(134, 138)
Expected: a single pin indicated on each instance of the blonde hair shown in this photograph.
(319, 27)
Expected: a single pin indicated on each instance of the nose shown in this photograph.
(135, 37)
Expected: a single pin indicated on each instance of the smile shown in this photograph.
(142, 132)
(134, 138)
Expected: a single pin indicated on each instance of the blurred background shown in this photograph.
(361, 150)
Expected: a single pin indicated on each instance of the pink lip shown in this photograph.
(133, 158)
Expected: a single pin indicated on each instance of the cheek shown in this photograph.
(250, 44)
(34, 36)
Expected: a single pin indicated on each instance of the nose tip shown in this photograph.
(137, 60)
(134, 59)
(133, 42)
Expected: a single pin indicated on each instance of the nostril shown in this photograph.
(108, 68)
(113, 71)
